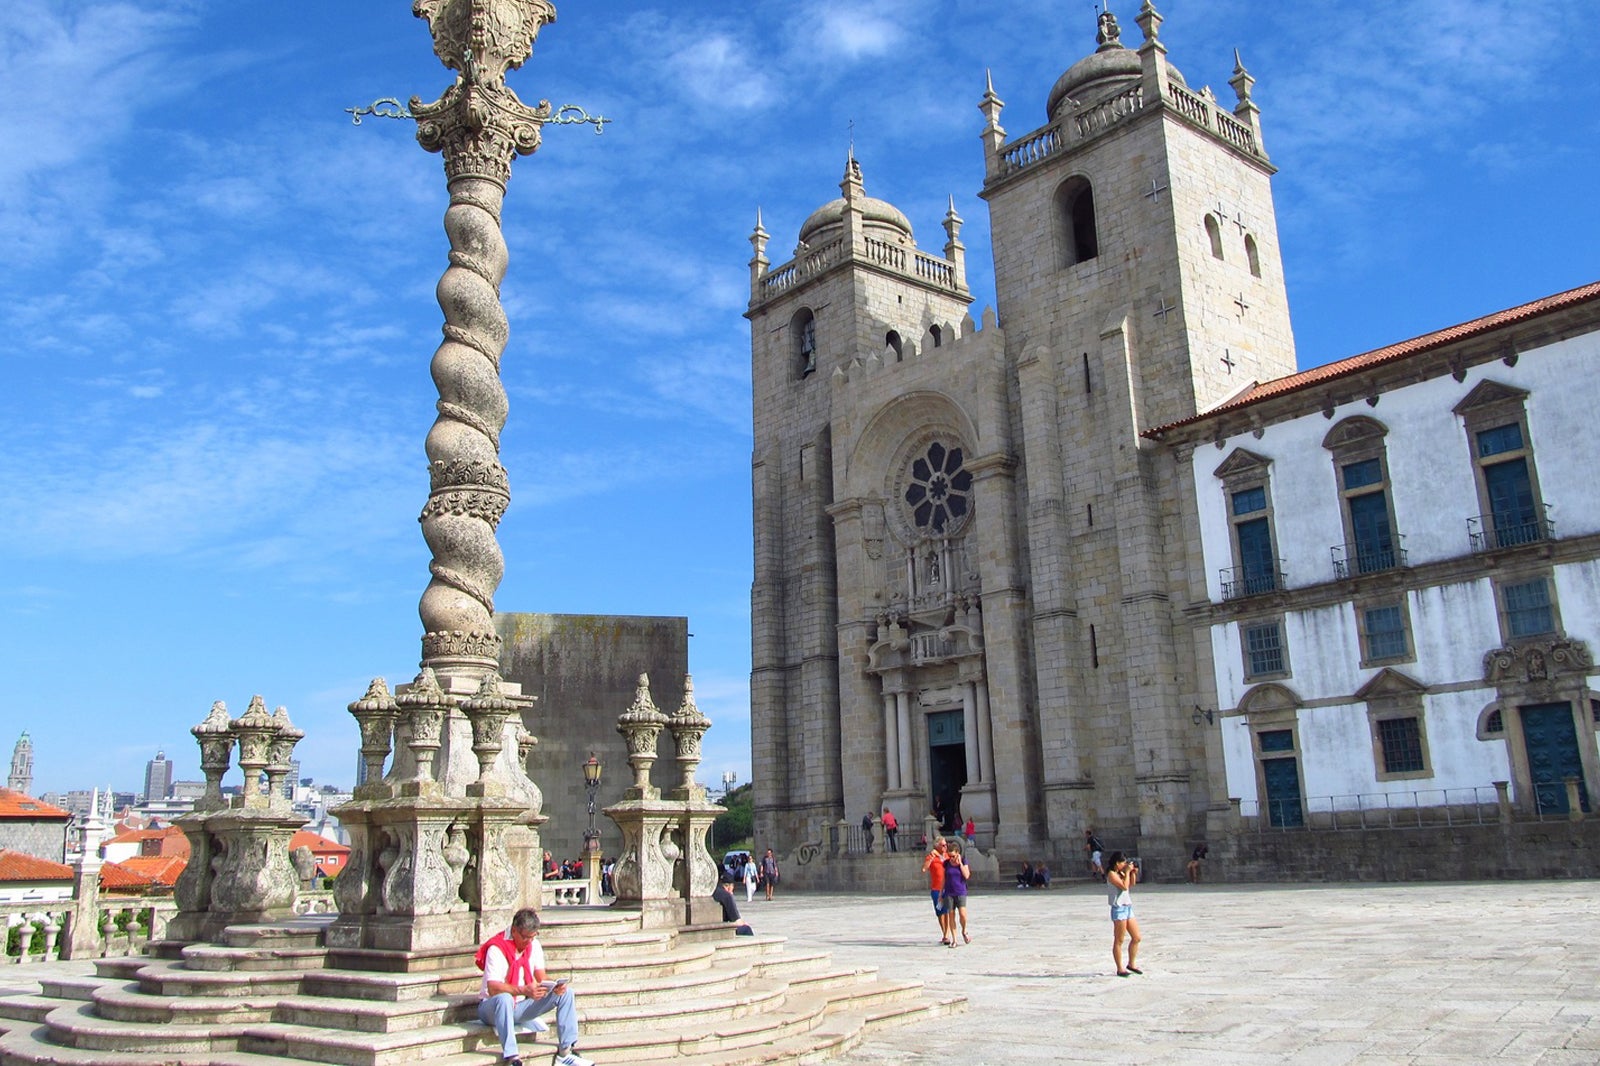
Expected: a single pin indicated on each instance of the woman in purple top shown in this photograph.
(956, 873)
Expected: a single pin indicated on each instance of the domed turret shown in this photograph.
(1111, 68)
(880, 218)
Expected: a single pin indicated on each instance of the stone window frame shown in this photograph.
(1358, 439)
(804, 365)
(1240, 471)
(1489, 405)
(1361, 606)
(1276, 620)
(1252, 255)
(1391, 695)
(1519, 578)
(1271, 708)
(1492, 722)
(1066, 202)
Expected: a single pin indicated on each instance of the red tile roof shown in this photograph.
(319, 844)
(17, 866)
(162, 869)
(169, 839)
(14, 804)
(115, 877)
(1395, 352)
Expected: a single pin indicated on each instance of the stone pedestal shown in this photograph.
(239, 871)
(653, 842)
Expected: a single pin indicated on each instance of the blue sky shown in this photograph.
(220, 299)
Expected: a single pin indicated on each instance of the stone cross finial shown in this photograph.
(1149, 20)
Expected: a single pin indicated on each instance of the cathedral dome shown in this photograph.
(878, 215)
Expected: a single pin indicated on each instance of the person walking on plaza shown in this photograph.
(1093, 850)
(933, 866)
(891, 828)
(1192, 871)
(956, 872)
(769, 872)
(515, 990)
(749, 874)
(1121, 876)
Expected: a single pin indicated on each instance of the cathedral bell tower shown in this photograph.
(858, 297)
(1138, 276)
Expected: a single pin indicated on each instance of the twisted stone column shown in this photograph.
(480, 126)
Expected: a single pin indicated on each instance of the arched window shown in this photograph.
(937, 334)
(1214, 231)
(892, 345)
(803, 337)
(1075, 221)
(1251, 255)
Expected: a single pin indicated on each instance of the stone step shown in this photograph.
(30, 1047)
(167, 977)
(78, 1026)
(29, 1009)
(214, 958)
(298, 933)
(388, 987)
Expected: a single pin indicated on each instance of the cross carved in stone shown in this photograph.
(1238, 220)
(1227, 360)
(1155, 191)
(1162, 310)
(1240, 304)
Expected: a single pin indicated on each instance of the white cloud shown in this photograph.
(718, 68)
(859, 31)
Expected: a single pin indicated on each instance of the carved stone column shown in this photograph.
(652, 830)
(699, 870)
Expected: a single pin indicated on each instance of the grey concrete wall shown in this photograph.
(583, 669)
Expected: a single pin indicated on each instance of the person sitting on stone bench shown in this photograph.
(515, 990)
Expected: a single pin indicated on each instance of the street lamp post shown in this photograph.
(591, 783)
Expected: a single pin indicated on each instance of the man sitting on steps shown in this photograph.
(516, 990)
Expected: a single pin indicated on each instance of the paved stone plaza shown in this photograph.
(1426, 974)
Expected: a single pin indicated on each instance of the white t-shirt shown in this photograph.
(496, 966)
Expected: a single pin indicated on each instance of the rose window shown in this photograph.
(940, 490)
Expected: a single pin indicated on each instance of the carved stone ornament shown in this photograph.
(640, 725)
(254, 732)
(688, 726)
(424, 706)
(281, 750)
(375, 717)
(456, 644)
(1537, 660)
(487, 712)
(482, 39)
(216, 751)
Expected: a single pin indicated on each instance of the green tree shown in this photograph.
(737, 825)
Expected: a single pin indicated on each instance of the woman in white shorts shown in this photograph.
(1121, 876)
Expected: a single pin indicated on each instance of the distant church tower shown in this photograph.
(970, 567)
(21, 778)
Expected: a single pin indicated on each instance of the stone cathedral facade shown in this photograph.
(981, 578)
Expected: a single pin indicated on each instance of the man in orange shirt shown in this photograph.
(933, 866)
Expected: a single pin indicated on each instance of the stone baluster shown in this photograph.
(25, 939)
(375, 715)
(216, 751)
(487, 712)
(52, 930)
(254, 732)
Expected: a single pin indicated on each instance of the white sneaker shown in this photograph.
(572, 1058)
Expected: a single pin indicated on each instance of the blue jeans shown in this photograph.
(503, 1014)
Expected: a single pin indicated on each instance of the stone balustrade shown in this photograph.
(40, 931)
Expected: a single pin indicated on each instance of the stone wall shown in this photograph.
(41, 839)
(583, 668)
(1519, 850)
(874, 873)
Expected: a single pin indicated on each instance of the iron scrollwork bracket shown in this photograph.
(565, 115)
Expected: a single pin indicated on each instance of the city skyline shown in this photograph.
(222, 299)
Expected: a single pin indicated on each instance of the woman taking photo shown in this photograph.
(1121, 875)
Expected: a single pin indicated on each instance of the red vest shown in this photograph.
(517, 961)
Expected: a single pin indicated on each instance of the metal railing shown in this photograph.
(1507, 529)
(1350, 559)
(1411, 809)
(1241, 581)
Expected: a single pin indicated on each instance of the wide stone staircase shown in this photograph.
(270, 993)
